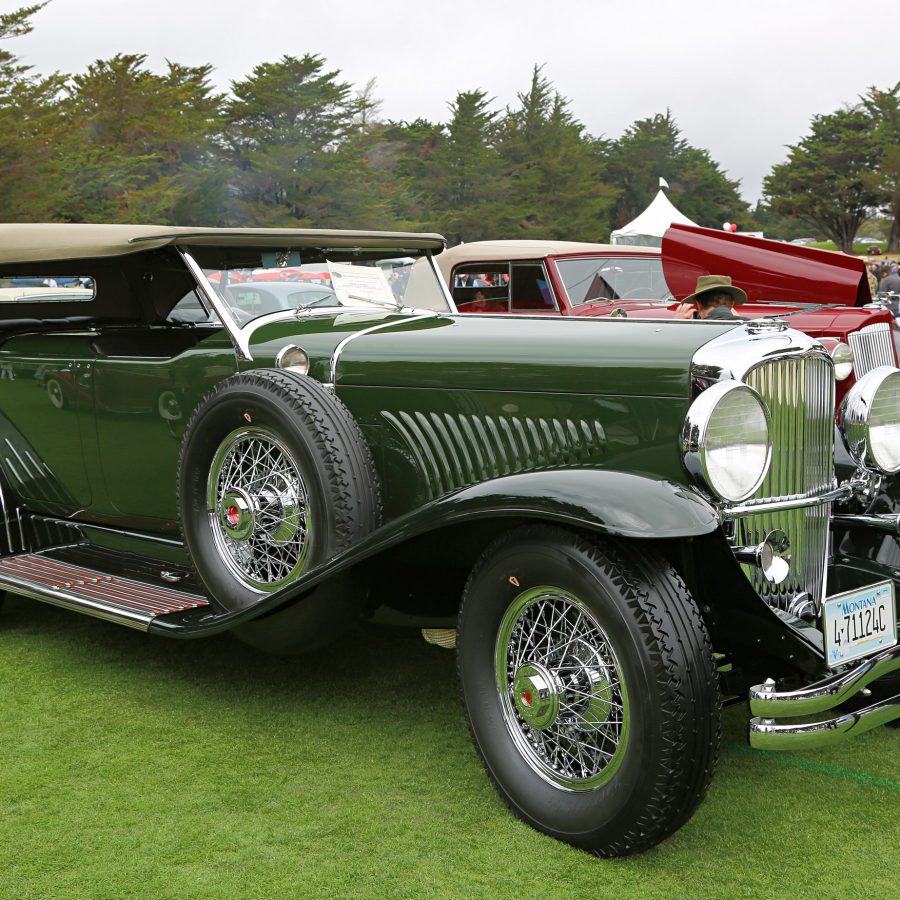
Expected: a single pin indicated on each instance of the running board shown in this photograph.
(110, 597)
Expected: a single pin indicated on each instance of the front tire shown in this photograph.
(589, 687)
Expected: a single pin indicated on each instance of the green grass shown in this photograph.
(858, 249)
(139, 767)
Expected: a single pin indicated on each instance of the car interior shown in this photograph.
(517, 286)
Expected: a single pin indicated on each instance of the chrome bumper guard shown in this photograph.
(768, 706)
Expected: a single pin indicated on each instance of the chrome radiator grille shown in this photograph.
(800, 395)
(872, 347)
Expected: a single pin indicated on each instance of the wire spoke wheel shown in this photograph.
(561, 689)
(258, 509)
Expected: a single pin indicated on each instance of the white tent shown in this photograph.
(648, 228)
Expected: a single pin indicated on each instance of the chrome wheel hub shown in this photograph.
(258, 509)
(561, 689)
(236, 515)
(536, 695)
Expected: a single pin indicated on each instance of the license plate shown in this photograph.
(859, 622)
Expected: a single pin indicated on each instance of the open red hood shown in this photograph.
(766, 270)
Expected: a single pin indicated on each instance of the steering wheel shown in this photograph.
(643, 292)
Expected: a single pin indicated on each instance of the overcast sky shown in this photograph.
(742, 79)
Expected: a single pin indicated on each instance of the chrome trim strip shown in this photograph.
(448, 296)
(798, 501)
(238, 338)
(824, 694)
(73, 523)
(335, 357)
(21, 528)
(9, 539)
(767, 734)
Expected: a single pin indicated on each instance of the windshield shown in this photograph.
(613, 278)
(282, 281)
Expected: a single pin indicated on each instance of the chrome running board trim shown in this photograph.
(767, 734)
(109, 597)
(825, 694)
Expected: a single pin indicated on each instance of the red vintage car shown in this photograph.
(822, 293)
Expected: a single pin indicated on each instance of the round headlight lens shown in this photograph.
(293, 359)
(884, 424)
(726, 440)
(842, 357)
(870, 420)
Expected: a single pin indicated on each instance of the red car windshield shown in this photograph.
(613, 278)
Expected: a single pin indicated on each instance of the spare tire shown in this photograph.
(274, 478)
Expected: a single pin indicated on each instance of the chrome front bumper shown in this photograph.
(769, 707)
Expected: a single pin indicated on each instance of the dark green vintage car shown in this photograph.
(621, 523)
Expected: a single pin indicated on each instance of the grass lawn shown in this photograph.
(140, 767)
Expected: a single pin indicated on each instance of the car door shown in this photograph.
(44, 410)
(146, 384)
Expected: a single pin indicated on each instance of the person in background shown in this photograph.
(891, 281)
(873, 280)
(714, 298)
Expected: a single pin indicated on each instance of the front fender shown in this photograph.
(613, 503)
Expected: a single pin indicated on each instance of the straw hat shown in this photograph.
(711, 284)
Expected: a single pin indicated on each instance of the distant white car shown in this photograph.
(803, 241)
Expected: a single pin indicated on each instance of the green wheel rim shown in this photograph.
(561, 689)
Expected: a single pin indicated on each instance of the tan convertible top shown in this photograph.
(40, 243)
(495, 251)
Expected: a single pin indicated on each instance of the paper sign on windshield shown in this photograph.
(360, 284)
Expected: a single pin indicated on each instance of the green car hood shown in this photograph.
(541, 354)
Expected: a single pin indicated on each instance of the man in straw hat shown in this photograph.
(713, 298)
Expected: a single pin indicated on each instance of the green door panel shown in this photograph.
(45, 406)
(142, 407)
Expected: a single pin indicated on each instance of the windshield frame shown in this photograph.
(241, 333)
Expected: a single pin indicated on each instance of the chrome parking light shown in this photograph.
(842, 357)
(293, 359)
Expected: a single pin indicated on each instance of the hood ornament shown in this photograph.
(766, 326)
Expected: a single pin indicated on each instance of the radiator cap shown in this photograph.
(766, 326)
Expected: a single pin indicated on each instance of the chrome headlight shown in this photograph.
(726, 440)
(870, 420)
(842, 357)
(293, 359)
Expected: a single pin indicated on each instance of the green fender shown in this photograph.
(614, 503)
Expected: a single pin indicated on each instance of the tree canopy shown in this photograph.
(825, 178)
